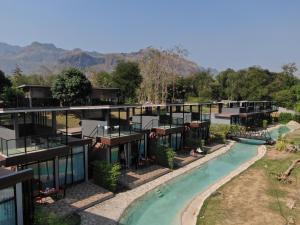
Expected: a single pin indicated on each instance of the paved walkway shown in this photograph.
(133, 178)
(79, 197)
(110, 211)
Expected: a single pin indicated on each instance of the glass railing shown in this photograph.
(117, 130)
(29, 144)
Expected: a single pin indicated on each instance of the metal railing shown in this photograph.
(23, 145)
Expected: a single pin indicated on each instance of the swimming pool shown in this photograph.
(164, 205)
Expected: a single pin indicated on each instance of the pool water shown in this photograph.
(164, 205)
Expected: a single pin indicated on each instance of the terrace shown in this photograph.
(24, 145)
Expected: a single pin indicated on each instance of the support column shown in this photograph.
(19, 203)
(53, 117)
(129, 154)
(86, 162)
(16, 125)
(56, 172)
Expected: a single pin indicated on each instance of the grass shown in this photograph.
(257, 193)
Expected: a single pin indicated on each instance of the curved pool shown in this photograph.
(164, 205)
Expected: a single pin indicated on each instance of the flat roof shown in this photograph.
(96, 107)
(33, 85)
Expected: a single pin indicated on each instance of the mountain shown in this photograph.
(40, 58)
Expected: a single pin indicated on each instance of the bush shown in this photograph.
(43, 217)
(106, 174)
(285, 117)
(265, 124)
(165, 156)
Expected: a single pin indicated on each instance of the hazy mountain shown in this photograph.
(42, 58)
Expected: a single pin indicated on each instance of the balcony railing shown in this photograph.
(10, 147)
(117, 130)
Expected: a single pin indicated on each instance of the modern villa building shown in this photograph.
(44, 148)
(245, 113)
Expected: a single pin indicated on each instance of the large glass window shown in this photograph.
(7, 207)
(78, 163)
(76, 166)
(114, 154)
(176, 141)
(43, 173)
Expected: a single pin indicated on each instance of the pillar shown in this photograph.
(86, 162)
(19, 203)
(56, 172)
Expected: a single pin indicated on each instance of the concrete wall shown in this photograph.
(215, 120)
(187, 116)
(230, 110)
(146, 120)
(88, 126)
(7, 133)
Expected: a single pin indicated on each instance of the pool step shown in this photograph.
(159, 193)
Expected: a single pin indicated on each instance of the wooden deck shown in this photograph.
(133, 178)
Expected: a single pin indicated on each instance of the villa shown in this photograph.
(245, 113)
(42, 155)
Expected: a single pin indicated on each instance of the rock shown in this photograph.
(291, 220)
(291, 204)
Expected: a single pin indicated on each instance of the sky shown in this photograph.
(218, 34)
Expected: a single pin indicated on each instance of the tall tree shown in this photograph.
(71, 86)
(102, 79)
(18, 78)
(4, 81)
(127, 77)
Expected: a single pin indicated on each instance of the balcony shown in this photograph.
(118, 134)
(24, 145)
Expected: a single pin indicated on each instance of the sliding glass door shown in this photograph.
(76, 166)
(7, 206)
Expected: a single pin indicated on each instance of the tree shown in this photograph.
(290, 69)
(18, 78)
(160, 71)
(285, 98)
(127, 77)
(71, 86)
(102, 79)
(4, 82)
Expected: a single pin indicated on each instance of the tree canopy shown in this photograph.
(127, 77)
(4, 82)
(71, 86)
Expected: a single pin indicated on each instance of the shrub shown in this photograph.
(285, 117)
(265, 124)
(106, 174)
(43, 217)
(165, 156)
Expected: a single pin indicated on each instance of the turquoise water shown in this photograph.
(163, 206)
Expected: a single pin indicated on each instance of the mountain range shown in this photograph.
(40, 58)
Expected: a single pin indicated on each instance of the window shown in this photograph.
(76, 166)
(7, 206)
(43, 172)
(176, 141)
